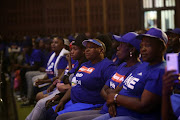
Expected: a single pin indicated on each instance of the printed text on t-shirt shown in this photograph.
(118, 78)
(130, 81)
(86, 70)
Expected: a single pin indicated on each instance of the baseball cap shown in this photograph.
(95, 41)
(156, 33)
(71, 38)
(116, 37)
(176, 31)
(78, 40)
(131, 38)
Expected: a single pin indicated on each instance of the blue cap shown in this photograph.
(176, 31)
(92, 41)
(156, 33)
(116, 37)
(71, 38)
(130, 38)
(95, 41)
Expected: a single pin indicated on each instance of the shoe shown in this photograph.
(18, 98)
(24, 99)
(27, 103)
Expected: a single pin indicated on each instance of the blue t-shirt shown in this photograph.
(121, 73)
(117, 78)
(62, 64)
(36, 56)
(74, 64)
(116, 60)
(89, 80)
(147, 77)
(50, 68)
(175, 103)
(46, 57)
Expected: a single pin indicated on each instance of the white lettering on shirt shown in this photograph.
(131, 81)
(79, 75)
(112, 85)
(79, 82)
(86, 69)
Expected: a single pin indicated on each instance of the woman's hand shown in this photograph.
(110, 99)
(63, 87)
(52, 100)
(68, 57)
(50, 88)
(169, 79)
(112, 110)
(109, 90)
(59, 107)
(39, 82)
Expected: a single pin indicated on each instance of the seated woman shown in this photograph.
(87, 83)
(55, 66)
(77, 53)
(128, 51)
(140, 98)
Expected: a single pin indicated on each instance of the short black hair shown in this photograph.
(60, 38)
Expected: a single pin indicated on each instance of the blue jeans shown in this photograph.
(108, 117)
(50, 114)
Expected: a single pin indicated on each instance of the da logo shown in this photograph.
(86, 70)
(112, 85)
(50, 66)
(131, 81)
(118, 78)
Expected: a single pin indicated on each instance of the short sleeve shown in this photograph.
(37, 56)
(154, 82)
(26, 59)
(109, 71)
(74, 68)
(62, 64)
(108, 82)
(175, 102)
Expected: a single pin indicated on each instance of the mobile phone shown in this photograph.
(172, 62)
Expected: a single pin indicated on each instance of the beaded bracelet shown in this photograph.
(115, 97)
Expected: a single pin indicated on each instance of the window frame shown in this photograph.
(158, 9)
